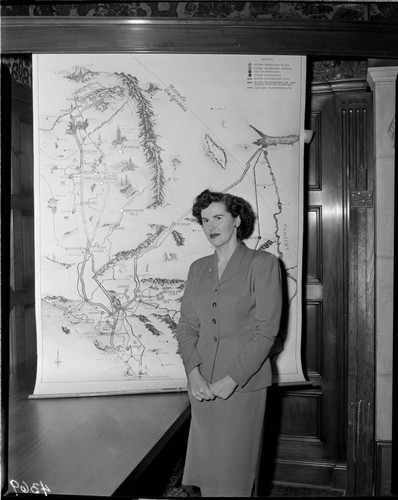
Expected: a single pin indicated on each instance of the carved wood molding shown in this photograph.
(74, 35)
(328, 70)
(19, 67)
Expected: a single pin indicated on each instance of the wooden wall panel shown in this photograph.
(313, 336)
(293, 446)
(302, 414)
(30, 337)
(315, 473)
(314, 245)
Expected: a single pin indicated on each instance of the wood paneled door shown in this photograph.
(306, 426)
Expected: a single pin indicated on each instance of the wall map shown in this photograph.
(123, 144)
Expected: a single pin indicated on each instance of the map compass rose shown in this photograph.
(58, 361)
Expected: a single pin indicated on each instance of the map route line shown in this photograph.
(279, 203)
(247, 168)
(88, 255)
(117, 314)
(165, 309)
(156, 243)
(257, 205)
(106, 122)
(249, 165)
(295, 281)
(256, 156)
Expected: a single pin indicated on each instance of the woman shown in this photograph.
(230, 315)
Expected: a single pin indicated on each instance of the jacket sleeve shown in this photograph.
(187, 332)
(268, 308)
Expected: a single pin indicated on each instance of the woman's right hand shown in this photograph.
(198, 386)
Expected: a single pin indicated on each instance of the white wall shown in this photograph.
(382, 81)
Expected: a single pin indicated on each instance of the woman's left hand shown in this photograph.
(224, 387)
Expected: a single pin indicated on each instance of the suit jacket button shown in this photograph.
(215, 339)
(214, 321)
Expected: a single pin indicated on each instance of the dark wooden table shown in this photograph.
(87, 445)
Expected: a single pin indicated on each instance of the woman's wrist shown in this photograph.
(194, 372)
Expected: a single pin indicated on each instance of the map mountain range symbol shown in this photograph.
(267, 140)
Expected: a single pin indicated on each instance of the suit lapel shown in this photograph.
(233, 263)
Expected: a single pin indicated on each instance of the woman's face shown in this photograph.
(219, 225)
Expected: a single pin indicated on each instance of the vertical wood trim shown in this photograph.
(356, 128)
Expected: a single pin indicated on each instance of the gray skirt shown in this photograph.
(224, 444)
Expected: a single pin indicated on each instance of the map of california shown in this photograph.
(123, 144)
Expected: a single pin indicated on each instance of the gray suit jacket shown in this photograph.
(228, 326)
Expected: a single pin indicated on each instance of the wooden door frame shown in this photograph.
(256, 36)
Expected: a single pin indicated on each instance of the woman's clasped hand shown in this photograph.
(198, 386)
(202, 390)
(224, 387)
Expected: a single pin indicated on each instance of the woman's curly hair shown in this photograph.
(233, 204)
